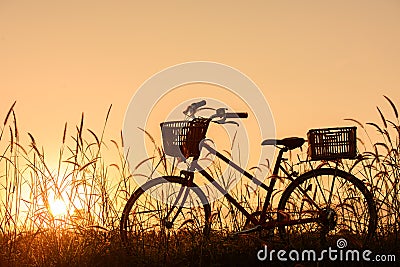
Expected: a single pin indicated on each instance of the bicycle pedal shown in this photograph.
(248, 231)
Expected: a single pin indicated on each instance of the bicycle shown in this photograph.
(319, 205)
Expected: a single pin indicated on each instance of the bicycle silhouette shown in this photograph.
(317, 207)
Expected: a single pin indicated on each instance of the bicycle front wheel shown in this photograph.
(323, 205)
(161, 211)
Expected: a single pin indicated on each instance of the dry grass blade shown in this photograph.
(81, 129)
(108, 112)
(393, 106)
(382, 117)
(142, 162)
(6, 119)
(382, 145)
(228, 153)
(15, 125)
(115, 165)
(148, 135)
(34, 146)
(21, 148)
(376, 126)
(32, 139)
(393, 125)
(233, 140)
(12, 139)
(95, 137)
(122, 139)
(361, 141)
(104, 127)
(255, 168)
(388, 136)
(115, 143)
(88, 164)
(65, 133)
(353, 120)
(9, 112)
(73, 163)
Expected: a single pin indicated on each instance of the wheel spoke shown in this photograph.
(306, 195)
(331, 191)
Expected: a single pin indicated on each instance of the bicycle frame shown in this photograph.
(269, 188)
(194, 166)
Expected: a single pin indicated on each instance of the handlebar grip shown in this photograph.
(199, 104)
(242, 115)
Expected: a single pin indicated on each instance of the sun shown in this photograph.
(58, 208)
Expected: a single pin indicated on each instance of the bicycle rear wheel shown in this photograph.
(329, 204)
(162, 211)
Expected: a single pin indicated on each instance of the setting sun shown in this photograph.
(58, 208)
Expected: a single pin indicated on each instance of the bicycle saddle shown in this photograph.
(290, 142)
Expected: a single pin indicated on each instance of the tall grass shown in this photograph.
(91, 190)
(93, 180)
(379, 168)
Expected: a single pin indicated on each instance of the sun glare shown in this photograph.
(58, 208)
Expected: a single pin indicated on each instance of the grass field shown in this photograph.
(69, 215)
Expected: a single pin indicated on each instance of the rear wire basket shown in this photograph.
(332, 143)
(182, 138)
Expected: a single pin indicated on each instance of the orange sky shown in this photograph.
(317, 62)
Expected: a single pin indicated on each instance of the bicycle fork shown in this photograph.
(183, 190)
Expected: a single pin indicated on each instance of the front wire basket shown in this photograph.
(332, 143)
(182, 138)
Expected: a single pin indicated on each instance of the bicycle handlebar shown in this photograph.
(220, 112)
(241, 115)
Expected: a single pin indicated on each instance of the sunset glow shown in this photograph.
(58, 208)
